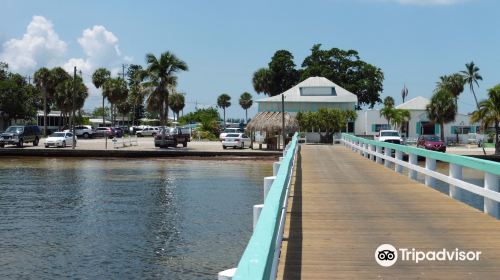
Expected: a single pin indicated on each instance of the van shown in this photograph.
(20, 134)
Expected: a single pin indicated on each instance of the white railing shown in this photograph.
(490, 191)
(125, 142)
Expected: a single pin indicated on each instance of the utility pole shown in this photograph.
(73, 108)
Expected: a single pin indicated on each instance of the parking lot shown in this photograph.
(141, 144)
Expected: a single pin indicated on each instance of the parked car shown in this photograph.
(173, 137)
(236, 140)
(229, 130)
(20, 134)
(118, 132)
(84, 131)
(105, 132)
(390, 136)
(431, 142)
(59, 139)
(148, 131)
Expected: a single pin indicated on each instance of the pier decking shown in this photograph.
(343, 206)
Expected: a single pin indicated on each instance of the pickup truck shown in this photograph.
(173, 137)
(390, 136)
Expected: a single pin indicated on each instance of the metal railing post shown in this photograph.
(379, 151)
(430, 164)
(491, 183)
(412, 159)
(397, 167)
(387, 153)
(455, 172)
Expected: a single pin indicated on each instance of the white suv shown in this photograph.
(147, 131)
(390, 136)
(84, 131)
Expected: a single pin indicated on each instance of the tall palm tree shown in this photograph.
(442, 109)
(388, 111)
(246, 102)
(177, 103)
(489, 113)
(471, 76)
(161, 80)
(115, 89)
(58, 76)
(454, 83)
(399, 116)
(261, 81)
(99, 77)
(223, 101)
(43, 81)
(136, 76)
(64, 95)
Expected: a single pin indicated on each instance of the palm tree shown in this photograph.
(442, 109)
(136, 76)
(245, 103)
(223, 101)
(261, 81)
(161, 80)
(43, 81)
(471, 76)
(99, 77)
(177, 103)
(58, 76)
(489, 113)
(115, 89)
(388, 111)
(399, 116)
(453, 83)
(64, 95)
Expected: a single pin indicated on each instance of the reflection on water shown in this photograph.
(125, 219)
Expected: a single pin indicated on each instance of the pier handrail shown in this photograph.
(259, 259)
(490, 190)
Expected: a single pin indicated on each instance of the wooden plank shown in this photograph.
(344, 206)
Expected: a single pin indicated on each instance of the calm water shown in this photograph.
(125, 219)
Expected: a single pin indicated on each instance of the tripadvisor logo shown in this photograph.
(387, 255)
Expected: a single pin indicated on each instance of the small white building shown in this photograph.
(369, 122)
(309, 96)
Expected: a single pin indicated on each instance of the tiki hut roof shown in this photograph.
(272, 122)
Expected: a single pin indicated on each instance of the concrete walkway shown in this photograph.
(344, 206)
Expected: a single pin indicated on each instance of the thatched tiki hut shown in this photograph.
(271, 124)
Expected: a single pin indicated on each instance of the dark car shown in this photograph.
(173, 137)
(431, 142)
(20, 134)
(118, 132)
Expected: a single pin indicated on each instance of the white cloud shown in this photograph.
(40, 46)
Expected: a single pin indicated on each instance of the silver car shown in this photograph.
(236, 140)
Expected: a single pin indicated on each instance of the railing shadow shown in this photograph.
(293, 261)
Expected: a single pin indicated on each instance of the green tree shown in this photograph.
(64, 95)
(400, 116)
(246, 102)
(488, 114)
(161, 79)
(471, 76)
(18, 99)
(177, 103)
(223, 101)
(279, 76)
(44, 82)
(100, 111)
(136, 75)
(346, 69)
(388, 110)
(99, 77)
(454, 83)
(115, 89)
(442, 109)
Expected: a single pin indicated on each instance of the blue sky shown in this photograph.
(224, 42)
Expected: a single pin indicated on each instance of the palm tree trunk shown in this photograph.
(442, 131)
(497, 143)
(246, 115)
(475, 98)
(44, 113)
(224, 109)
(103, 113)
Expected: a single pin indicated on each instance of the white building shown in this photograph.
(369, 122)
(309, 96)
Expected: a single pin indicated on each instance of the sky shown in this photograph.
(414, 42)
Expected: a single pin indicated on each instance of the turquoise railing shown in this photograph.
(258, 257)
(470, 162)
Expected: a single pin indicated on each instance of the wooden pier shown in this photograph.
(343, 206)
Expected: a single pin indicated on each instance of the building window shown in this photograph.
(378, 127)
(463, 129)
